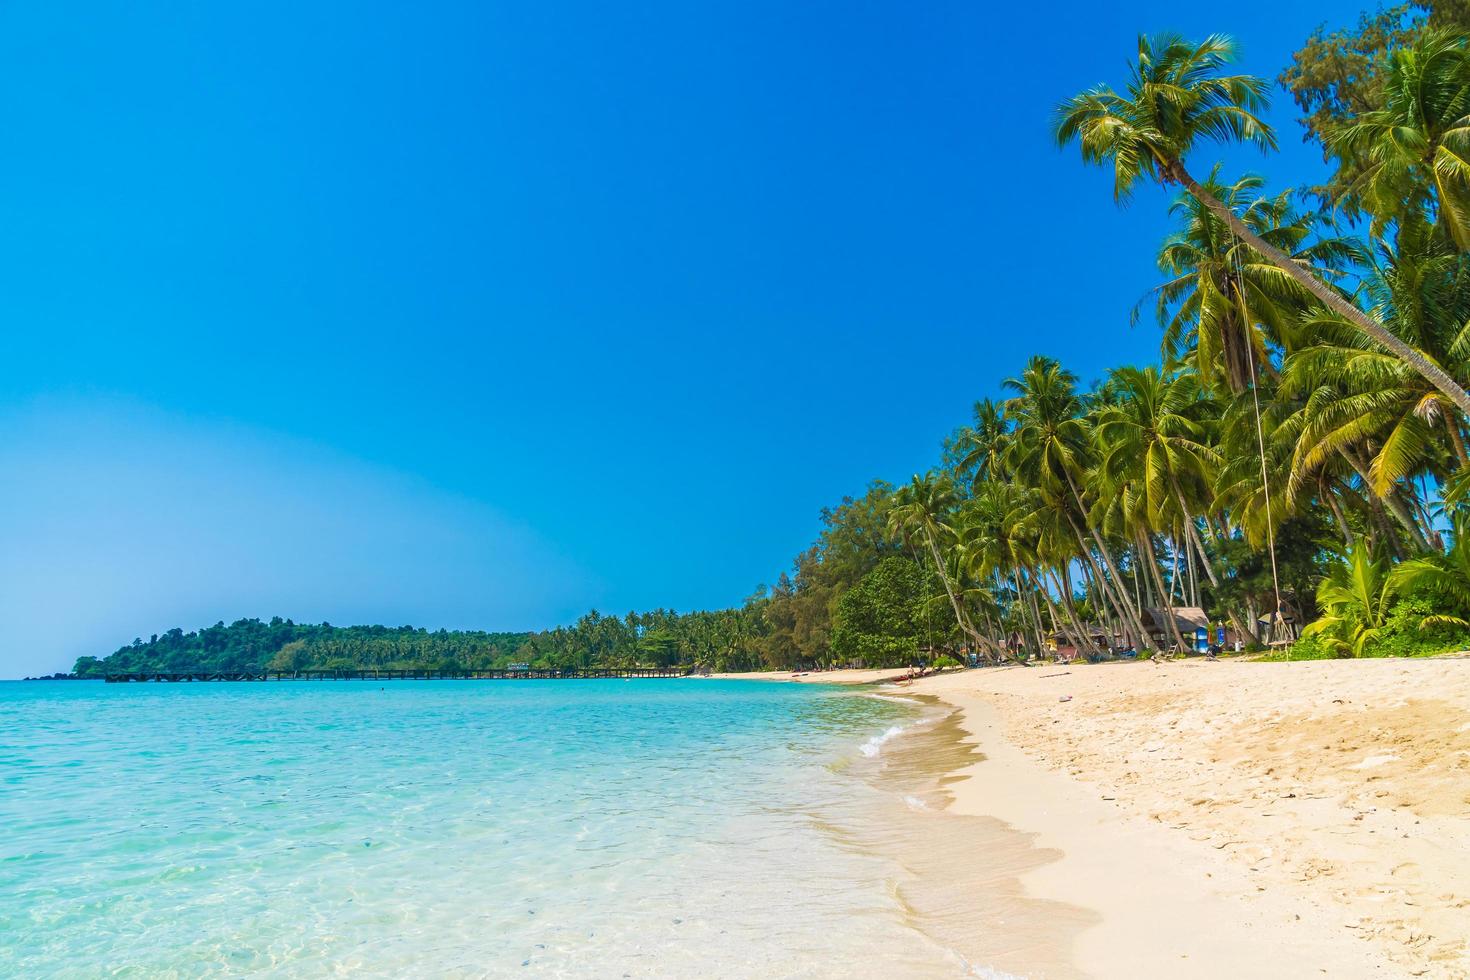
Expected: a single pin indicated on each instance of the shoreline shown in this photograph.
(1210, 819)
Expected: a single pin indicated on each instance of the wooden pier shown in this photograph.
(386, 674)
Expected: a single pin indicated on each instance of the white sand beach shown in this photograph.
(1220, 819)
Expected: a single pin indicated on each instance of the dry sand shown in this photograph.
(1231, 819)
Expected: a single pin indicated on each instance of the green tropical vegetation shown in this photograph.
(1294, 464)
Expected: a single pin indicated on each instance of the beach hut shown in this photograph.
(1193, 625)
(1063, 643)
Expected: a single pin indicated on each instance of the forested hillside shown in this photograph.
(283, 644)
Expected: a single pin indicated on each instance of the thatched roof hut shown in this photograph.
(1187, 618)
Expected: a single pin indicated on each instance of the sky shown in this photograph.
(484, 314)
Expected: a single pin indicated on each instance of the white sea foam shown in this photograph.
(894, 698)
(874, 745)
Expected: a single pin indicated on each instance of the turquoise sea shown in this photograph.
(652, 828)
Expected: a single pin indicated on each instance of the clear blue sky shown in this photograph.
(482, 314)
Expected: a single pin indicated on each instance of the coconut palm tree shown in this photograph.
(1355, 403)
(1004, 531)
(1412, 155)
(922, 512)
(1156, 438)
(1056, 550)
(1224, 306)
(1178, 94)
(990, 525)
(1155, 430)
(987, 438)
(1352, 394)
(1120, 507)
(1051, 449)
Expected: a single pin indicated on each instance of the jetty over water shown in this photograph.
(387, 674)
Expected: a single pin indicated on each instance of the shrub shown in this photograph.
(1313, 648)
(1404, 634)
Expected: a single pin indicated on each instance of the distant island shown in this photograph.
(286, 645)
(282, 644)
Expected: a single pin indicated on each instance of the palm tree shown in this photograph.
(1178, 94)
(1353, 394)
(1224, 306)
(1050, 449)
(1412, 155)
(1354, 402)
(987, 437)
(1155, 437)
(1121, 508)
(1355, 598)
(1055, 549)
(1003, 538)
(921, 510)
(1366, 412)
(1154, 429)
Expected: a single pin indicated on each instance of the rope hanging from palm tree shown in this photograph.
(1250, 347)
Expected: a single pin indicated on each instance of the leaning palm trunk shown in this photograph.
(997, 651)
(1330, 298)
(1174, 578)
(1240, 628)
(1064, 589)
(1039, 632)
(1038, 584)
(1385, 535)
(1108, 590)
(1063, 576)
(1194, 573)
(1034, 587)
(1020, 615)
(989, 649)
(1002, 583)
(959, 613)
(1026, 610)
(1458, 441)
(1112, 627)
(1129, 610)
(999, 582)
(1393, 504)
(1084, 638)
(1420, 510)
(1033, 616)
(1147, 556)
(1336, 507)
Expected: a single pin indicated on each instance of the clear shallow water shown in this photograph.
(595, 828)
